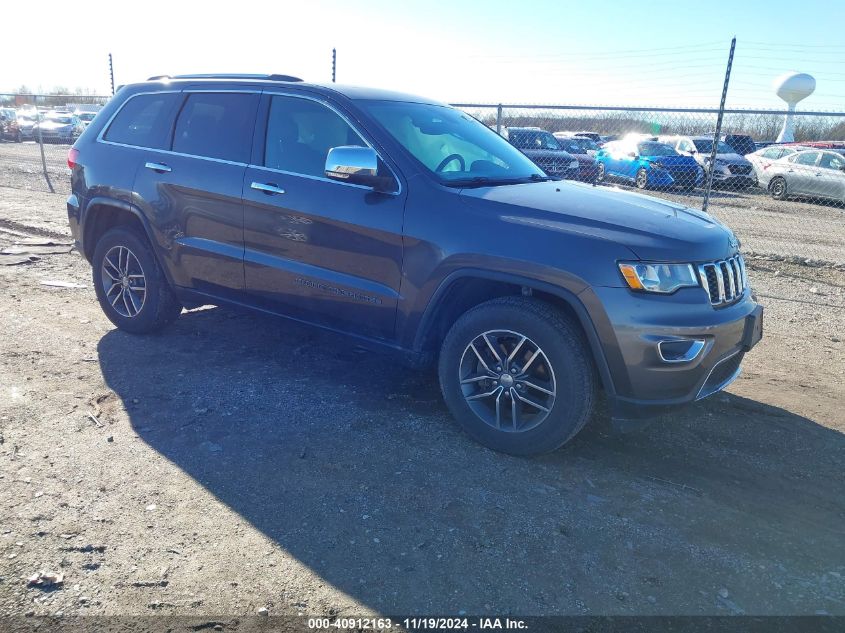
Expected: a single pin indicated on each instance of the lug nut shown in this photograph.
(513, 370)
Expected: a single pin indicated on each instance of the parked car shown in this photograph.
(85, 117)
(543, 148)
(58, 127)
(586, 145)
(26, 123)
(809, 173)
(413, 227)
(593, 136)
(647, 164)
(730, 169)
(587, 166)
(741, 143)
(762, 158)
(9, 128)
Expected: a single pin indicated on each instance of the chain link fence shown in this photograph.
(36, 131)
(785, 200)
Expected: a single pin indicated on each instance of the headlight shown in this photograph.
(655, 277)
(573, 164)
(658, 164)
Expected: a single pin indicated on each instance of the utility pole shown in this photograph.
(334, 63)
(111, 74)
(708, 174)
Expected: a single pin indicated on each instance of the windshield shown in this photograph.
(533, 139)
(706, 146)
(586, 144)
(571, 145)
(452, 145)
(61, 119)
(655, 149)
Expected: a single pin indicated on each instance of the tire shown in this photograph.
(117, 282)
(641, 180)
(601, 173)
(552, 368)
(778, 188)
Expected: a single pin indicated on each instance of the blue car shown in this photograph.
(648, 164)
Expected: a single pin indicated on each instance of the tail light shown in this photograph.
(72, 157)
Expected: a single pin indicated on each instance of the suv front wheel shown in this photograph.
(130, 285)
(517, 375)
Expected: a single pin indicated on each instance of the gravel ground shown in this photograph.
(237, 462)
(800, 229)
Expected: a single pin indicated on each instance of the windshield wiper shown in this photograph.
(487, 181)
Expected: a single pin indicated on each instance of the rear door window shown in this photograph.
(806, 159)
(216, 125)
(144, 121)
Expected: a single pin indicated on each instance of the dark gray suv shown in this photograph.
(414, 228)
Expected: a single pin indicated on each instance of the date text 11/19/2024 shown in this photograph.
(418, 623)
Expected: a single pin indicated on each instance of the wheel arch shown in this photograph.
(467, 288)
(103, 214)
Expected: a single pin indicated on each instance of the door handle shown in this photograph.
(158, 167)
(269, 188)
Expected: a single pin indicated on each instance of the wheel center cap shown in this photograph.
(506, 380)
(124, 282)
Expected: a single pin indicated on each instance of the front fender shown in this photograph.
(566, 287)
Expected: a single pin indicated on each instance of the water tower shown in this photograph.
(792, 87)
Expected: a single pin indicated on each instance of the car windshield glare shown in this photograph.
(706, 146)
(451, 145)
(656, 149)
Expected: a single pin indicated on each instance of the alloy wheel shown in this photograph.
(507, 381)
(123, 281)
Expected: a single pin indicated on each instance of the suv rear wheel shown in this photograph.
(517, 376)
(130, 286)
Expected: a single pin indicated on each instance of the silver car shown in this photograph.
(811, 173)
(730, 169)
(763, 158)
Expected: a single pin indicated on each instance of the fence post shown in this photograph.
(499, 119)
(41, 146)
(708, 171)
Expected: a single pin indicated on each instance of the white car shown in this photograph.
(762, 158)
(810, 173)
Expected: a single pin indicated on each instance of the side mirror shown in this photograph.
(357, 166)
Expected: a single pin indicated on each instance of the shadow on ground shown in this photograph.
(351, 464)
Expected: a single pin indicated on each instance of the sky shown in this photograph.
(652, 53)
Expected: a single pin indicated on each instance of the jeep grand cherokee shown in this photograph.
(412, 226)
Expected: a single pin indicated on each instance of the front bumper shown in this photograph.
(675, 178)
(638, 330)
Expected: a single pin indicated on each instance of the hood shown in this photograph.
(548, 154)
(653, 229)
(53, 125)
(680, 161)
(732, 159)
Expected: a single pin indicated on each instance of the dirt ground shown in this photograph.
(237, 462)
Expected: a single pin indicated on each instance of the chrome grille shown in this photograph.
(724, 280)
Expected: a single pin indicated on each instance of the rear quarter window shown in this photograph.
(144, 121)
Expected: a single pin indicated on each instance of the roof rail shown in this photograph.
(272, 77)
